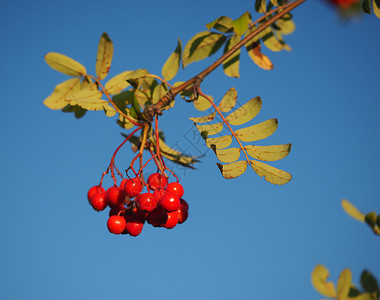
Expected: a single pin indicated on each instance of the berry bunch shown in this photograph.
(161, 205)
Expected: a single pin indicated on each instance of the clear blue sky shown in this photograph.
(244, 239)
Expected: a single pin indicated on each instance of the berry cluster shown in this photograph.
(161, 205)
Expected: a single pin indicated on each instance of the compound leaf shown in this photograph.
(104, 56)
(65, 64)
(233, 170)
(202, 103)
(344, 284)
(219, 142)
(241, 24)
(210, 129)
(228, 155)
(319, 280)
(257, 132)
(352, 211)
(268, 153)
(222, 24)
(204, 119)
(246, 112)
(228, 100)
(231, 65)
(171, 66)
(117, 83)
(57, 99)
(202, 45)
(271, 174)
(260, 59)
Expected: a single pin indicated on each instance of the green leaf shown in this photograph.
(344, 284)
(104, 56)
(222, 24)
(352, 211)
(117, 83)
(260, 6)
(245, 113)
(136, 109)
(232, 170)
(171, 66)
(158, 92)
(78, 111)
(219, 142)
(268, 153)
(366, 7)
(231, 65)
(370, 219)
(202, 103)
(204, 119)
(65, 64)
(241, 24)
(257, 132)
(271, 174)
(369, 283)
(201, 46)
(57, 99)
(228, 100)
(125, 123)
(376, 7)
(378, 220)
(210, 129)
(319, 280)
(228, 155)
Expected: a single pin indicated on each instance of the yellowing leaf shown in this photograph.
(352, 211)
(104, 56)
(231, 65)
(222, 24)
(287, 26)
(87, 99)
(109, 110)
(65, 64)
(270, 40)
(171, 66)
(202, 103)
(158, 92)
(125, 123)
(268, 153)
(257, 132)
(204, 119)
(117, 83)
(135, 76)
(233, 170)
(271, 174)
(319, 280)
(260, 59)
(344, 284)
(219, 142)
(376, 8)
(228, 100)
(241, 24)
(228, 155)
(274, 2)
(245, 113)
(57, 99)
(202, 45)
(260, 6)
(210, 129)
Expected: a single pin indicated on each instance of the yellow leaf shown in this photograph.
(257, 132)
(65, 64)
(228, 100)
(204, 119)
(268, 153)
(231, 65)
(270, 40)
(344, 284)
(228, 155)
(159, 91)
(319, 280)
(352, 211)
(117, 83)
(241, 24)
(210, 129)
(271, 174)
(260, 59)
(171, 66)
(104, 56)
(125, 123)
(87, 99)
(376, 8)
(219, 142)
(245, 113)
(260, 6)
(57, 99)
(233, 170)
(287, 26)
(202, 103)
(136, 75)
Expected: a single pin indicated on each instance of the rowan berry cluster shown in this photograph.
(161, 205)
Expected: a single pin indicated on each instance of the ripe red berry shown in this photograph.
(122, 183)
(116, 224)
(99, 201)
(134, 225)
(182, 212)
(133, 187)
(170, 202)
(117, 210)
(115, 196)
(172, 220)
(157, 217)
(159, 193)
(184, 203)
(95, 189)
(176, 188)
(146, 201)
(156, 181)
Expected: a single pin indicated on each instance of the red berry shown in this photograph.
(146, 201)
(95, 189)
(172, 220)
(116, 224)
(176, 188)
(140, 214)
(99, 201)
(116, 210)
(170, 202)
(159, 193)
(157, 217)
(115, 196)
(122, 183)
(134, 225)
(184, 203)
(133, 187)
(156, 181)
(182, 212)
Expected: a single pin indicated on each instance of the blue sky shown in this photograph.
(245, 238)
